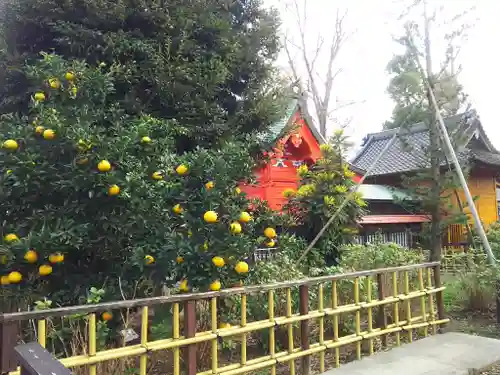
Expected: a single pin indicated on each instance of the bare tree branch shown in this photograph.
(336, 43)
(319, 84)
(291, 62)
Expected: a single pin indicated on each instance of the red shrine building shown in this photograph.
(296, 142)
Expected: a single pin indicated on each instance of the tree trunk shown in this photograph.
(434, 143)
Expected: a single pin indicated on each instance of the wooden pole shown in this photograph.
(304, 327)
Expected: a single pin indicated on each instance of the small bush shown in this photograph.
(323, 188)
(473, 289)
(366, 257)
(493, 234)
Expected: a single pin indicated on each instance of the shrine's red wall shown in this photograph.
(356, 178)
(280, 173)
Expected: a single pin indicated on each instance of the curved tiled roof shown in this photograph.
(410, 151)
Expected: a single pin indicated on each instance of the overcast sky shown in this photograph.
(366, 54)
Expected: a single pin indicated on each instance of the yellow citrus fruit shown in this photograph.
(245, 217)
(15, 277)
(218, 261)
(10, 145)
(270, 232)
(39, 130)
(178, 209)
(31, 256)
(149, 259)
(113, 190)
(209, 185)
(210, 216)
(179, 260)
(182, 170)
(11, 237)
(271, 243)
(241, 267)
(69, 76)
(215, 286)
(49, 134)
(237, 190)
(106, 316)
(45, 270)
(39, 96)
(183, 286)
(235, 227)
(157, 176)
(104, 166)
(224, 325)
(56, 258)
(4, 280)
(145, 140)
(54, 83)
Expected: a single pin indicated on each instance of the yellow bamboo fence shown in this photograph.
(376, 296)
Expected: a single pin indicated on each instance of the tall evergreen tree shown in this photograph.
(408, 91)
(411, 95)
(205, 63)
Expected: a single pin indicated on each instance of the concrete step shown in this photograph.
(446, 354)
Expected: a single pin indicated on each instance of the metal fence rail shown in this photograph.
(375, 294)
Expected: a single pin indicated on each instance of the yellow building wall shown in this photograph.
(482, 185)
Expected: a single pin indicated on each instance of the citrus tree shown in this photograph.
(90, 195)
(322, 189)
(214, 69)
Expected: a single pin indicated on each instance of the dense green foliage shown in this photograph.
(472, 288)
(493, 234)
(139, 220)
(322, 190)
(206, 64)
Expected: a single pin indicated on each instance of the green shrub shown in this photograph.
(322, 189)
(141, 218)
(366, 257)
(473, 289)
(493, 234)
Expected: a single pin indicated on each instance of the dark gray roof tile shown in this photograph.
(410, 150)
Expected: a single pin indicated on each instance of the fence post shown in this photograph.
(381, 315)
(8, 340)
(439, 295)
(190, 331)
(304, 327)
